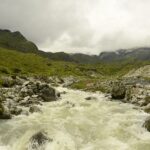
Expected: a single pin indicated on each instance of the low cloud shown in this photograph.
(79, 26)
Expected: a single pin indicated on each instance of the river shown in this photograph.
(77, 124)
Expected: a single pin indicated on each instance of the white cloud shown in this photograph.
(79, 26)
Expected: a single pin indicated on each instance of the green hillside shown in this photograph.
(16, 41)
(14, 62)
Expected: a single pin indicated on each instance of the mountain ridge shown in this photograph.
(16, 41)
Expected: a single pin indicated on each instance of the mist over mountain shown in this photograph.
(16, 41)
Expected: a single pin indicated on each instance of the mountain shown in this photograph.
(141, 54)
(59, 56)
(16, 41)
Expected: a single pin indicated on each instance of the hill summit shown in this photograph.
(16, 41)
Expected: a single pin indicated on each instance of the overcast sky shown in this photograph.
(87, 26)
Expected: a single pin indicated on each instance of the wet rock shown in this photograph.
(8, 82)
(1, 109)
(4, 114)
(25, 112)
(58, 94)
(39, 140)
(15, 111)
(47, 93)
(68, 81)
(146, 101)
(59, 80)
(70, 104)
(64, 92)
(138, 94)
(90, 98)
(147, 109)
(33, 109)
(147, 124)
(118, 90)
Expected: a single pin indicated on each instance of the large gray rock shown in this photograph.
(147, 124)
(39, 140)
(3, 113)
(47, 93)
(42, 91)
(118, 90)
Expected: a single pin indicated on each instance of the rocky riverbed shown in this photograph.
(25, 95)
(77, 121)
(133, 90)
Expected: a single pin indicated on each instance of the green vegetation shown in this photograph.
(17, 63)
(18, 56)
(13, 62)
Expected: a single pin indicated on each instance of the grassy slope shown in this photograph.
(14, 62)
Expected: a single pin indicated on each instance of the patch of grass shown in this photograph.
(28, 64)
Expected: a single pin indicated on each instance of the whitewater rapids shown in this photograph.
(77, 124)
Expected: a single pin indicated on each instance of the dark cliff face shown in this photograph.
(16, 41)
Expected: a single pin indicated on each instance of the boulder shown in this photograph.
(5, 116)
(64, 92)
(39, 140)
(147, 124)
(3, 113)
(146, 101)
(118, 90)
(47, 93)
(42, 90)
(1, 109)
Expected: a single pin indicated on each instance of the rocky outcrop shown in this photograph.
(141, 72)
(132, 90)
(135, 91)
(25, 94)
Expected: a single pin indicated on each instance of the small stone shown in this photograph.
(33, 109)
(90, 98)
(147, 124)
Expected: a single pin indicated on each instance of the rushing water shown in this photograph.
(79, 125)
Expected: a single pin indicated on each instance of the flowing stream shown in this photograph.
(74, 123)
